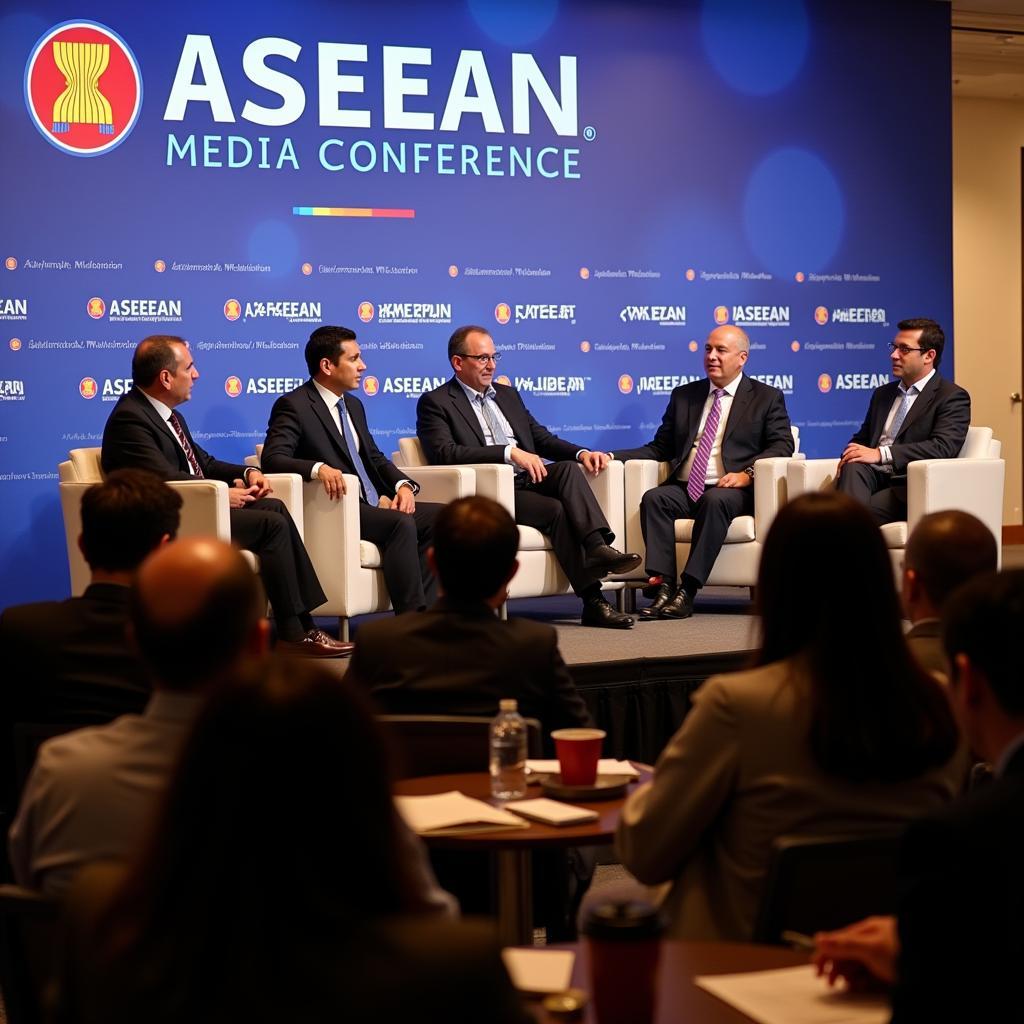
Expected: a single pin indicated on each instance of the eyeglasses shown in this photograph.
(482, 360)
(904, 350)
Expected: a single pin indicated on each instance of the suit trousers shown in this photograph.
(713, 512)
(885, 498)
(266, 528)
(403, 540)
(563, 507)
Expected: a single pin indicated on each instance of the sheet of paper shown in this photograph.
(606, 766)
(552, 812)
(453, 811)
(795, 995)
(539, 971)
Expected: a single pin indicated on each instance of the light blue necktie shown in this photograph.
(493, 422)
(901, 412)
(369, 491)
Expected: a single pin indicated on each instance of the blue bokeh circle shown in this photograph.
(275, 243)
(514, 22)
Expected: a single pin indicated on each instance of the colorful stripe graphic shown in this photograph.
(348, 211)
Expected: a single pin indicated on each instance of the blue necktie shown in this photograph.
(369, 491)
(498, 434)
(901, 412)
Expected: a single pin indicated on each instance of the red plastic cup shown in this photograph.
(578, 752)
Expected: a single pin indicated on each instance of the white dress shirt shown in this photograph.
(886, 439)
(715, 468)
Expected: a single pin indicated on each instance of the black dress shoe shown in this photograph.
(315, 644)
(601, 613)
(680, 607)
(663, 593)
(605, 559)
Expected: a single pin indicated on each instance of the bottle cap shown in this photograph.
(623, 921)
(508, 704)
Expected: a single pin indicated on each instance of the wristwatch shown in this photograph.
(749, 471)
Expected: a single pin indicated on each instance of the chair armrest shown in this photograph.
(204, 509)
(609, 489)
(496, 481)
(639, 476)
(331, 536)
(769, 492)
(974, 485)
(442, 483)
(288, 488)
(803, 475)
(252, 460)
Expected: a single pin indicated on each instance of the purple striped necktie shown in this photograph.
(190, 456)
(699, 466)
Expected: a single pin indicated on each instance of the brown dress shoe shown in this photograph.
(315, 644)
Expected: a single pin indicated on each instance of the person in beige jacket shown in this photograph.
(837, 729)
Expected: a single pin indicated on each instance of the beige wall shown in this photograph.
(987, 139)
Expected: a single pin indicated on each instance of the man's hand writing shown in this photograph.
(862, 954)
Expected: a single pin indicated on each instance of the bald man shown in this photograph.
(196, 617)
(712, 433)
(945, 550)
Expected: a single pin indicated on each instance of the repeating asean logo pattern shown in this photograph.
(83, 88)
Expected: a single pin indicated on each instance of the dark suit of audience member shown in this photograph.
(751, 423)
(313, 431)
(918, 416)
(554, 499)
(70, 662)
(145, 432)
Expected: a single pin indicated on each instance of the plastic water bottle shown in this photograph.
(508, 753)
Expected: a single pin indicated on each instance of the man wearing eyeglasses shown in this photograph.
(472, 419)
(920, 415)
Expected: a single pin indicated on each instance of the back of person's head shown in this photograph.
(947, 548)
(826, 595)
(984, 620)
(195, 612)
(153, 354)
(475, 545)
(932, 335)
(125, 517)
(326, 342)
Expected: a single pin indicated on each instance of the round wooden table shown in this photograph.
(511, 848)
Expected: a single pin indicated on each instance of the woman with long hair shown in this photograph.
(836, 728)
(279, 883)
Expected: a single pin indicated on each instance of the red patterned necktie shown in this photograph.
(189, 454)
(699, 466)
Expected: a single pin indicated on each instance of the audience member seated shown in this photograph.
(836, 729)
(459, 658)
(945, 550)
(956, 952)
(277, 884)
(68, 662)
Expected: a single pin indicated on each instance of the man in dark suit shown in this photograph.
(459, 658)
(920, 415)
(319, 431)
(144, 431)
(954, 951)
(712, 433)
(69, 662)
(471, 419)
(944, 550)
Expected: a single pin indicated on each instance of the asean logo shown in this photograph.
(502, 312)
(721, 314)
(159, 266)
(11, 263)
(690, 274)
(233, 387)
(366, 313)
(232, 309)
(625, 384)
(83, 88)
(584, 346)
(370, 386)
(15, 344)
(821, 315)
(824, 383)
(503, 379)
(96, 307)
(87, 387)
(693, 346)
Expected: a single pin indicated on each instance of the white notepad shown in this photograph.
(552, 812)
(795, 995)
(606, 766)
(453, 812)
(539, 971)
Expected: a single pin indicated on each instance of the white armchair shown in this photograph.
(973, 482)
(539, 573)
(204, 510)
(738, 561)
(350, 568)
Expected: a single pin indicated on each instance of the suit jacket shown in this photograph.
(459, 659)
(66, 662)
(935, 427)
(302, 433)
(962, 908)
(135, 437)
(450, 432)
(736, 775)
(758, 426)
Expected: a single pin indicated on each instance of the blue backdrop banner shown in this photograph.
(597, 184)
